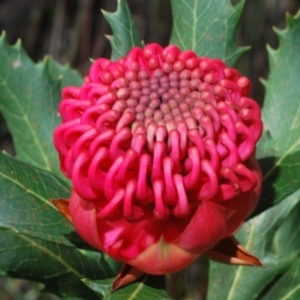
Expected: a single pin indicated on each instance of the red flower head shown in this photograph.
(159, 146)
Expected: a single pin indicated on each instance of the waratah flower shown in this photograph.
(159, 146)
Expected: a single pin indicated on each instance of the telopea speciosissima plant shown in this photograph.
(159, 147)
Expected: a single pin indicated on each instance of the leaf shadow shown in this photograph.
(155, 281)
(78, 242)
(268, 193)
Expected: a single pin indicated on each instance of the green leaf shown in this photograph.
(29, 97)
(281, 110)
(64, 74)
(125, 35)
(25, 194)
(288, 287)
(286, 239)
(207, 27)
(59, 267)
(279, 159)
(36, 241)
(148, 288)
(257, 235)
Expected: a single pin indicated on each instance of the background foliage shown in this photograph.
(36, 242)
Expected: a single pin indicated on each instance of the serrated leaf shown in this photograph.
(207, 27)
(125, 35)
(281, 109)
(234, 283)
(64, 74)
(288, 286)
(29, 97)
(279, 159)
(148, 288)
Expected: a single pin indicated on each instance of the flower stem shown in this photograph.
(176, 285)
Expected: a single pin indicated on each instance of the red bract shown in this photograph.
(159, 146)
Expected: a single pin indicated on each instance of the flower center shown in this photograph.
(164, 99)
